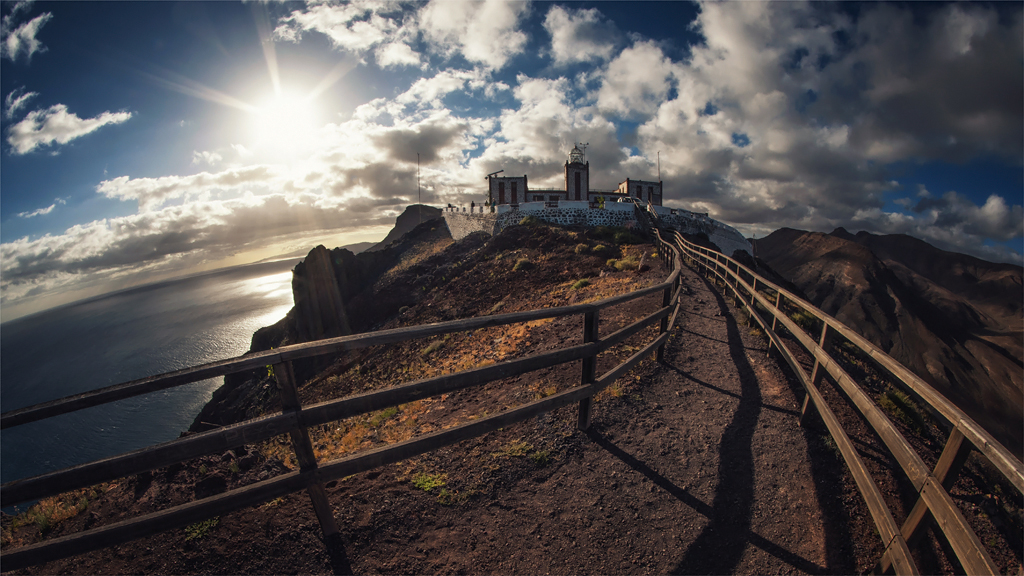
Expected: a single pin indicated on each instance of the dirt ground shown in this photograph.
(696, 465)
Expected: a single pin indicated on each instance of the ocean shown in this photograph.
(120, 337)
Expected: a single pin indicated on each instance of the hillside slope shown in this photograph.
(953, 319)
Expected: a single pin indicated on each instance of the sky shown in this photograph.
(147, 140)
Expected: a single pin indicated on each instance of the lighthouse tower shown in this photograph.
(577, 176)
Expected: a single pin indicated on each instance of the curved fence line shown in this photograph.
(763, 298)
(296, 419)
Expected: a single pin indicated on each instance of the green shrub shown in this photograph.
(382, 416)
(523, 264)
(428, 482)
(899, 406)
(200, 529)
(599, 249)
(629, 263)
(433, 347)
(805, 320)
(582, 283)
(541, 458)
(530, 221)
(625, 237)
(582, 249)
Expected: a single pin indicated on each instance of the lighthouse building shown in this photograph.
(514, 190)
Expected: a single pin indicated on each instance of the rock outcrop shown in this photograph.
(319, 310)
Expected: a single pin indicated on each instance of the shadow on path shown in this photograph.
(690, 377)
(718, 548)
(337, 555)
(794, 560)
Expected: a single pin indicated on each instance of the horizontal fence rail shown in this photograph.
(932, 485)
(295, 419)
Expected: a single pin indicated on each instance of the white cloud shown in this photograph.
(241, 150)
(56, 125)
(483, 32)
(357, 27)
(152, 193)
(206, 157)
(637, 81)
(580, 35)
(41, 211)
(396, 54)
(16, 100)
(21, 40)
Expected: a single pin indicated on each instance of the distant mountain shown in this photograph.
(953, 319)
(359, 247)
(414, 214)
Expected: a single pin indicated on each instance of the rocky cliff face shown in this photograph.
(334, 295)
(319, 310)
(953, 319)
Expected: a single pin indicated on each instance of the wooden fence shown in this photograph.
(296, 419)
(766, 304)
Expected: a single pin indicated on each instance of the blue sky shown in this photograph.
(147, 140)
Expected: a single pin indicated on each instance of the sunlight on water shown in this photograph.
(121, 337)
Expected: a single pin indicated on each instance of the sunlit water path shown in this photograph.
(121, 337)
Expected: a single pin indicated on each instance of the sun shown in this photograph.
(285, 122)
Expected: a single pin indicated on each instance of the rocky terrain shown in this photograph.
(694, 465)
(953, 319)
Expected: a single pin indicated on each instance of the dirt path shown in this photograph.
(697, 465)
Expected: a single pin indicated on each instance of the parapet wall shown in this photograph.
(568, 213)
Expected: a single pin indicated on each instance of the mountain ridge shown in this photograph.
(951, 318)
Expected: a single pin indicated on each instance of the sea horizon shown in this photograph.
(124, 335)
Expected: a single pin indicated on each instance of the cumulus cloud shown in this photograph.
(580, 35)
(152, 193)
(822, 103)
(483, 32)
(206, 157)
(637, 81)
(17, 100)
(17, 40)
(41, 211)
(56, 125)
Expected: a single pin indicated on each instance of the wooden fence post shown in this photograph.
(665, 301)
(817, 373)
(589, 372)
(775, 317)
(946, 471)
(285, 377)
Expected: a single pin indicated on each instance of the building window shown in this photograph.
(639, 192)
(578, 187)
(501, 192)
(515, 192)
(650, 193)
(538, 198)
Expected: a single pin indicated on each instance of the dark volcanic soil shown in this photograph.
(695, 465)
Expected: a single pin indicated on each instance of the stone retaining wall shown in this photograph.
(573, 213)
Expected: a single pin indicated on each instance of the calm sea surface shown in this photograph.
(121, 337)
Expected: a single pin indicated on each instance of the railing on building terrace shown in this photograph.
(296, 419)
(765, 300)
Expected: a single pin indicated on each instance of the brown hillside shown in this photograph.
(953, 319)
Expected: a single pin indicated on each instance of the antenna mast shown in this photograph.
(419, 194)
(659, 165)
